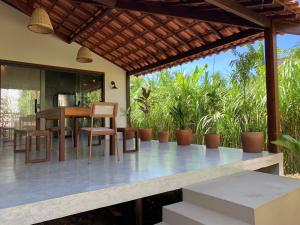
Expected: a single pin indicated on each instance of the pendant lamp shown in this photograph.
(40, 22)
(84, 55)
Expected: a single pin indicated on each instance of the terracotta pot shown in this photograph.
(184, 137)
(129, 135)
(145, 134)
(252, 141)
(163, 137)
(212, 140)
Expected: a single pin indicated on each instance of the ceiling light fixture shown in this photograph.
(40, 22)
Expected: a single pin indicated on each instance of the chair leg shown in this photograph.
(117, 148)
(77, 147)
(27, 149)
(113, 145)
(90, 148)
(48, 146)
(30, 143)
(51, 140)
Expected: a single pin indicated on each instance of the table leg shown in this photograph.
(62, 135)
(112, 141)
(124, 141)
(75, 132)
(38, 127)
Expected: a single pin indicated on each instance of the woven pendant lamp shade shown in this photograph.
(40, 22)
(84, 55)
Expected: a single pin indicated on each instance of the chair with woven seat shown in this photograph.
(101, 110)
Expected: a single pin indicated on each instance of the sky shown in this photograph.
(220, 62)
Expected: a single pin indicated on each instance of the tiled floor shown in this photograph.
(73, 176)
(23, 184)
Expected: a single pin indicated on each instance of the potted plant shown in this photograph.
(211, 137)
(209, 123)
(181, 117)
(145, 102)
(251, 138)
(163, 128)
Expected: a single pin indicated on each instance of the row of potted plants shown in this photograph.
(251, 141)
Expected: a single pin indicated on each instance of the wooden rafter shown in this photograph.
(158, 42)
(182, 12)
(237, 9)
(26, 8)
(200, 49)
(101, 13)
(171, 32)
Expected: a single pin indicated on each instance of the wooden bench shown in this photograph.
(28, 140)
(126, 130)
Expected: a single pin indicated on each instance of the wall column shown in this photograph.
(273, 115)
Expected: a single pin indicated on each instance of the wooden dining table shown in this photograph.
(59, 114)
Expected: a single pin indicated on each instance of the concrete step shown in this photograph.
(184, 213)
(161, 223)
(251, 197)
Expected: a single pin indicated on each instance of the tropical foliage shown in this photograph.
(223, 103)
(291, 151)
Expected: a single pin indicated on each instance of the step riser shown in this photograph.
(173, 218)
(230, 209)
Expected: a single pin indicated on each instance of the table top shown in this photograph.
(54, 113)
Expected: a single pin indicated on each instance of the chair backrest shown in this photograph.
(104, 110)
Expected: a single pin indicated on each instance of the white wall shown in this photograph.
(17, 43)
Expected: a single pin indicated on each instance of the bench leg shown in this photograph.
(28, 142)
(15, 142)
(27, 146)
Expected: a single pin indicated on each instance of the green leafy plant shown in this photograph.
(209, 123)
(145, 102)
(244, 67)
(180, 113)
(291, 151)
(166, 85)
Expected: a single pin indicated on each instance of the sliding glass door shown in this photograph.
(24, 91)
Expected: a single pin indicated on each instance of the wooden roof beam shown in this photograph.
(180, 12)
(198, 50)
(102, 13)
(237, 9)
(288, 28)
(26, 8)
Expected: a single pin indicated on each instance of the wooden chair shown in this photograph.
(101, 110)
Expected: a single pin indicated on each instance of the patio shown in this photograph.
(41, 192)
(123, 38)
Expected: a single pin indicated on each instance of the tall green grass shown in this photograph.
(222, 95)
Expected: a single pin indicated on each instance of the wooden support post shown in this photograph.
(138, 211)
(272, 88)
(128, 99)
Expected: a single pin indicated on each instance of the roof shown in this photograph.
(148, 35)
